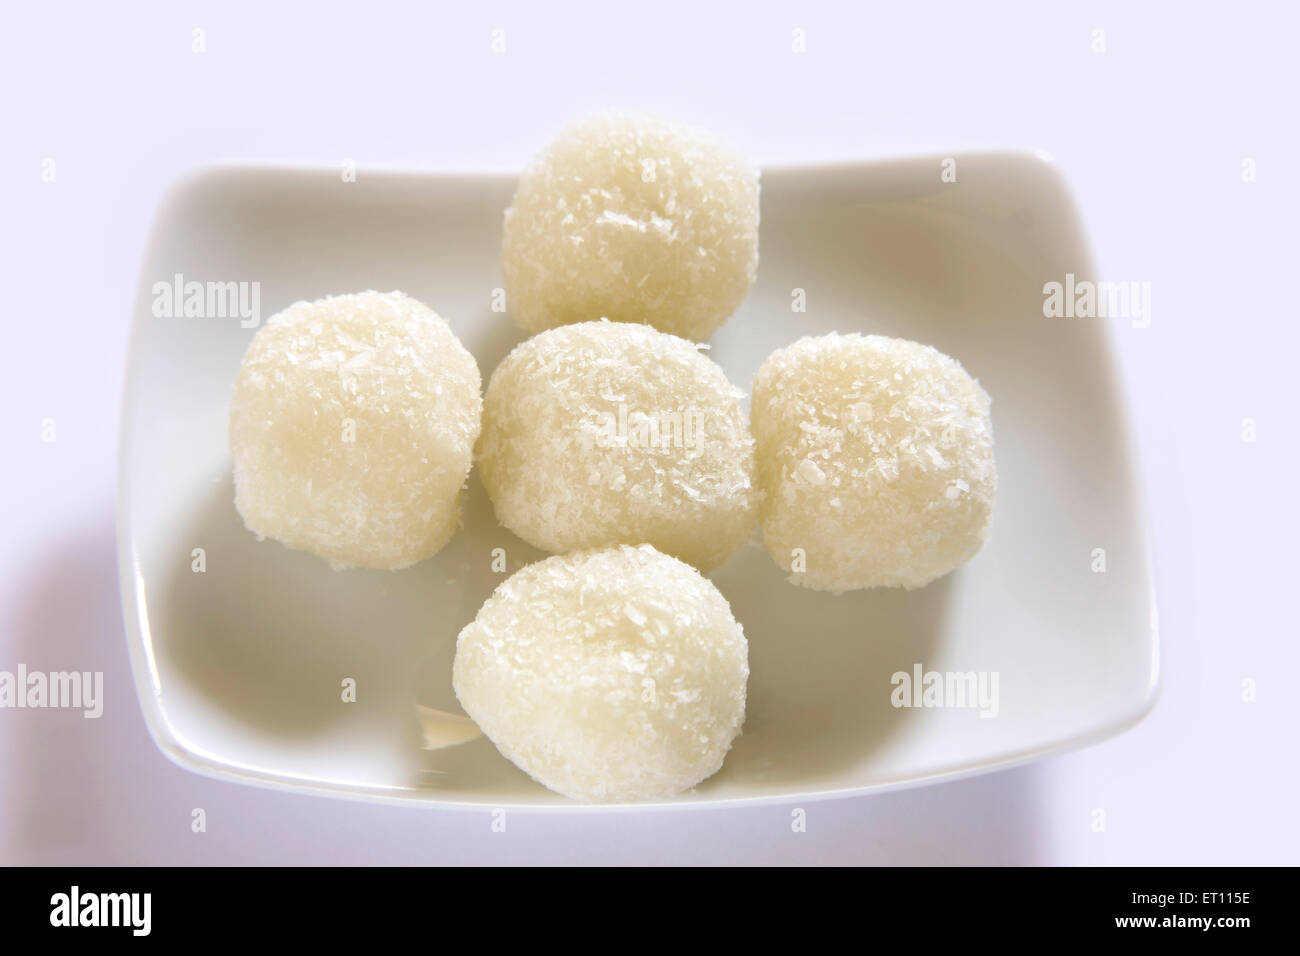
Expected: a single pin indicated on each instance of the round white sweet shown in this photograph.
(635, 219)
(352, 429)
(612, 675)
(606, 433)
(875, 456)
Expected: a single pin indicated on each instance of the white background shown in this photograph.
(1152, 133)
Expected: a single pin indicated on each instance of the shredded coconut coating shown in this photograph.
(608, 676)
(875, 456)
(352, 429)
(606, 433)
(636, 219)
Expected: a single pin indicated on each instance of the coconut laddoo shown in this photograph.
(611, 675)
(633, 218)
(875, 456)
(352, 428)
(605, 433)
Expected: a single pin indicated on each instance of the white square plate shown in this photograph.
(239, 668)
